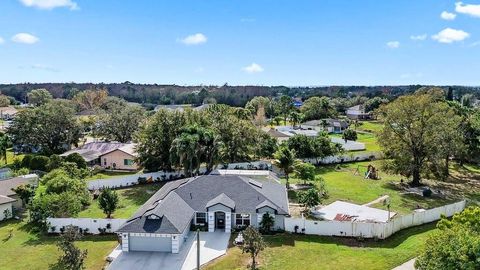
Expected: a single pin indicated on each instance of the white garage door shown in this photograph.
(142, 243)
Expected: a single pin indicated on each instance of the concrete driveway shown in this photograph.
(212, 245)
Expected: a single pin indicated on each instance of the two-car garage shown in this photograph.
(142, 242)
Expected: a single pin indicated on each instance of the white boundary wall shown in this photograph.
(130, 180)
(371, 230)
(346, 157)
(91, 223)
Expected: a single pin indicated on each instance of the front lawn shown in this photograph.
(28, 250)
(288, 251)
(342, 184)
(130, 200)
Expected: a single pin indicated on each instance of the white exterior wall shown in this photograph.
(4, 207)
(84, 223)
(371, 230)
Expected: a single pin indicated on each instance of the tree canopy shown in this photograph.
(415, 129)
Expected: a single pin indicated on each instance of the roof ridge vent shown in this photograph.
(255, 183)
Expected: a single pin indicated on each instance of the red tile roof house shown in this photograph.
(109, 155)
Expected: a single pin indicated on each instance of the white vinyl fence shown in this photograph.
(92, 224)
(346, 157)
(370, 230)
(130, 180)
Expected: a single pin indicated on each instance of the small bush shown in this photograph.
(427, 192)
(142, 180)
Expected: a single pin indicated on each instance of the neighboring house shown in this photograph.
(217, 202)
(7, 113)
(330, 125)
(6, 207)
(109, 155)
(283, 133)
(278, 135)
(8, 198)
(358, 113)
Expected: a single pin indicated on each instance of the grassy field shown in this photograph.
(130, 200)
(287, 251)
(28, 250)
(370, 126)
(369, 139)
(343, 184)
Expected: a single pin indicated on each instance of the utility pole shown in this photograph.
(198, 249)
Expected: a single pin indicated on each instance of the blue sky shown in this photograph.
(259, 42)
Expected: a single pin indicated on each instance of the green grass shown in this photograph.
(369, 139)
(29, 250)
(370, 126)
(130, 200)
(109, 174)
(10, 158)
(344, 185)
(287, 251)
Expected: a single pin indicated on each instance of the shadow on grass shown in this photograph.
(140, 194)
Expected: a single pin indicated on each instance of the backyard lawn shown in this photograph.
(130, 200)
(342, 184)
(109, 174)
(28, 250)
(288, 251)
(370, 126)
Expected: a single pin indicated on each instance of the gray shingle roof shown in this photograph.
(7, 185)
(221, 199)
(5, 199)
(93, 150)
(177, 201)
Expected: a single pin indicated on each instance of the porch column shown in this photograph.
(175, 243)
(228, 222)
(211, 221)
(125, 242)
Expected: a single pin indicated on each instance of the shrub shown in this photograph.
(78, 159)
(427, 192)
(142, 180)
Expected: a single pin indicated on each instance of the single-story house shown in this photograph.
(8, 198)
(329, 125)
(358, 113)
(109, 155)
(8, 113)
(283, 133)
(217, 202)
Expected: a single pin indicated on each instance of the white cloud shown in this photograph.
(419, 37)
(25, 38)
(469, 9)
(253, 68)
(448, 16)
(194, 39)
(393, 44)
(2, 40)
(50, 4)
(449, 35)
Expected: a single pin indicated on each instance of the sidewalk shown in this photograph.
(406, 266)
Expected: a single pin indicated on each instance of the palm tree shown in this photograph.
(296, 118)
(184, 152)
(4, 142)
(285, 160)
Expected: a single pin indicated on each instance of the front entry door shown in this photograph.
(219, 220)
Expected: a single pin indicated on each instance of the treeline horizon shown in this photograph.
(153, 94)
